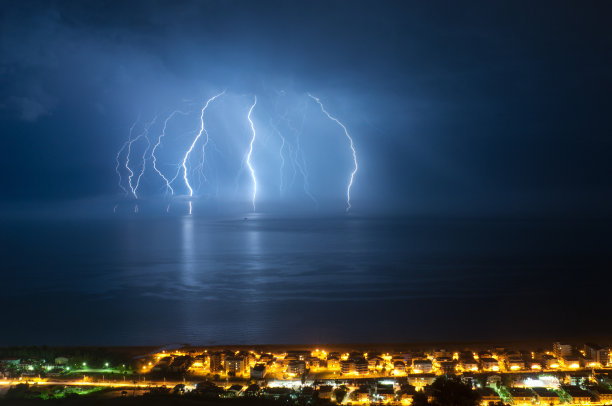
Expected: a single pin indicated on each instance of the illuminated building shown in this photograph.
(572, 362)
(442, 353)
(448, 367)
(347, 366)
(333, 361)
(546, 396)
(399, 366)
(515, 364)
(301, 355)
(440, 360)
(485, 354)
(550, 362)
(163, 363)
(374, 362)
(361, 366)
(266, 358)
(578, 395)
(562, 350)
(258, 371)
(487, 395)
(597, 354)
(604, 395)
(421, 380)
(325, 392)
(406, 399)
(362, 395)
(469, 364)
(422, 365)
(578, 377)
(235, 364)
(489, 364)
(314, 362)
(296, 367)
(180, 363)
(216, 362)
(522, 396)
(384, 394)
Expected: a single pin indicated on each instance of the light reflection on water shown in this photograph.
(265, 280)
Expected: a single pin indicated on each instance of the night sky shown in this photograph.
(479, 108)
(481, 207)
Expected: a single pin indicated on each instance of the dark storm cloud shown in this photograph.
(498, 106)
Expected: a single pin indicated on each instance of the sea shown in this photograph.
(280, 280)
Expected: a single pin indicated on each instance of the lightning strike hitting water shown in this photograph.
(200, 170)
(298, 157)
(352, 145)
(248, 160)
(159, 138)
(285, 124)
(125, 144)
(197, 137)
(144, 155)
(127, 158)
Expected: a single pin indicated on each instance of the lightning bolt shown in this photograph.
(352, 145)
(195, 140)
(282, 156)
(298, 157)
(248, 160)
(295, 155)
(282, 166)
(123, 147)
(144, 154)
(159, 138)
(199, 169)
(286, 126)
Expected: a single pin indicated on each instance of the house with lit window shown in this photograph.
(522, 396)
(258, 371)
(399, 366)
(422, 366)
(603, 395)
(489, 364)
(577, 395)
(515, 364)
(487, 395)
(296, 367)
(546, 396)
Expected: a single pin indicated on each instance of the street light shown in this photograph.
(106, 364)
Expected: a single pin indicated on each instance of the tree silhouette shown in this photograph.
(450, 391)
(419, 399)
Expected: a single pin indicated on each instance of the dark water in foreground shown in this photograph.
(201, 281)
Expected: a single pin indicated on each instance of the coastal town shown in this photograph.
(560, 374)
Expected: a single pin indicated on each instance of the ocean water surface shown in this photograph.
(141, 281)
